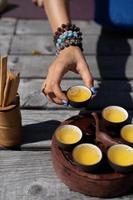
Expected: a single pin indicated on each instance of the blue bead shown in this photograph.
(64, 37)
(69, 32)
(65, 33)
(57, 45)
(75, 34)
(59, 41)
(70, 36)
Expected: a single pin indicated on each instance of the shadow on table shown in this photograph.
(9, 7)
(40, 131)
(112, 54)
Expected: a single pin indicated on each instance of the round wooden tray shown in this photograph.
(106, 183)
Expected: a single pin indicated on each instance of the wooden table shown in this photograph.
(28, 174)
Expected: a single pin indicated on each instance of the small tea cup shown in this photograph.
(67, 136)
(114, 117)
(87, 157)
(126, 134)
(79, 96)
(120, 157)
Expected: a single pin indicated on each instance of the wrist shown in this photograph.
(70, 49)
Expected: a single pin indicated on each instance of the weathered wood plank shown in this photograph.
(7, 26)
(106, 67)
(109, 93)
(33, 27)
(30, 176)
(4, 44)
(104, 45)
(26, 44)
(43, 27)
(39, 126)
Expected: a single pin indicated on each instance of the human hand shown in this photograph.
(39, 3)
(69, 59)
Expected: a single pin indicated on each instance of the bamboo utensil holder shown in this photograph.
(10, 125)
(10, 116)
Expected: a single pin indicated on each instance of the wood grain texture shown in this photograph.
(105, 67)
(5, 41)
(7, 26)
(100, 45)
(30, 176)
(39, 126)
(3, 77)
(110, 92)
(43, 27)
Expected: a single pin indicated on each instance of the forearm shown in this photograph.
(67, 36)
(57, 12)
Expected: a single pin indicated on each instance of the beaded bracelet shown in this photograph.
(67, 35)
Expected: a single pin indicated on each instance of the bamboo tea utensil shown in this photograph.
(14, 83)
(9, 82)
(6, 91)
(3, 76)
(10, 115)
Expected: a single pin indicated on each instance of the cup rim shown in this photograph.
(122, 132)
(82, 86)
(68, 126)
(118, 145)
(117, 107)
(90, 145)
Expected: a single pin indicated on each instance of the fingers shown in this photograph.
(85, 73)
(52, 98)
(75, 63)
(54, 93)
(40, 3)
(51, 85)
(58, 92)
(87, 77)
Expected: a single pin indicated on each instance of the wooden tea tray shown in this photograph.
(106, 183)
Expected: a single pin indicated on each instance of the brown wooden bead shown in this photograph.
(64, 25)
(59, 29)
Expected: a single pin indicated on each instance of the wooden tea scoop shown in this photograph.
(104, 140)
(3, 76)
(6, 91)
(14, 83)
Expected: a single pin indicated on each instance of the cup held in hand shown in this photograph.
(79, 96)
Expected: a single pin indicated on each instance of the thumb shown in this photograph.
(86, 75)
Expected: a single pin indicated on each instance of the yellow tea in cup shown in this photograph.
(87, 154)
(127, 133)
(121, 155)
(68, 135)
(79, 93)
(115, 114)
(78, 96)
